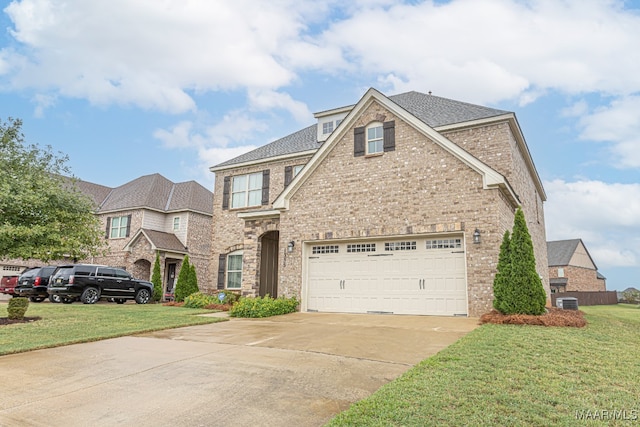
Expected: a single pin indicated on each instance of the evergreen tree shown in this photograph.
(182, 283)
(501, 281)
(193, 280)
(524, 293)
(157, 280)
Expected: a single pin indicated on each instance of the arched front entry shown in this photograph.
(269, 264)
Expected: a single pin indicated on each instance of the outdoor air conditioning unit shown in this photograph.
(567, 303)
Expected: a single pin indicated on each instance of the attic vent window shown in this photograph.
(327, 127)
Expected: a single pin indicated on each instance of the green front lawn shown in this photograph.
(507, 375)
(62, 324)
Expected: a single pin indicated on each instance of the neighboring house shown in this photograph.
(146, 216)
(571, 268)
(376, 207)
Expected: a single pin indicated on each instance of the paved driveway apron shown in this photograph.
(295, 370)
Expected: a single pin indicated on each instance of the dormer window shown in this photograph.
(327, 127)
(374, 139)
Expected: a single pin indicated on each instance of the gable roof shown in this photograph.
(158, 193)
(490, 177)
(560, 252)
(159, 240)
(433, 110)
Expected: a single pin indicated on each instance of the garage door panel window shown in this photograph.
(400, 246)
(325, 249)
(361, 247)
(234, 270)
(444, 244)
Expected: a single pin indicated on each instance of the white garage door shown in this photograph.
(421, 276)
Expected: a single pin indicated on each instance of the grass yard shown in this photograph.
(512, 375)
(63, 324)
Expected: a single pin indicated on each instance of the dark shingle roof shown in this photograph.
(157, 192)
(433, 110)
(164, 241)
(561, 251)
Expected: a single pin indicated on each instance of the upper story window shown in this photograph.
(119, 226)
(290, 172)
(176, 223)
(246, 190)
(327, 127)
(296, 169)
(374, 138)
(561, 272)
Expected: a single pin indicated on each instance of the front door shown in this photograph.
(171, 276)
(269, 264)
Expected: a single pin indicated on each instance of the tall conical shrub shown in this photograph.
(503, 274)
(182, 285)
(156, 279)
(523, 293)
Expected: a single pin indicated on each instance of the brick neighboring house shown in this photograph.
(571, 268)
(375, 208)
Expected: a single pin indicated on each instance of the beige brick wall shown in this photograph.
(579, 279)
(419, 188)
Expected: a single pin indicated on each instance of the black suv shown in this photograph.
(33, 283)
(89, 283)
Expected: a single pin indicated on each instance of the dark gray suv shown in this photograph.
(89, 283)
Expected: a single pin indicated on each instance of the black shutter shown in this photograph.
(358, 142)
(108, 227)
(128, 225)
(288, 175)
(225, 192)
(265, 187)
(389, 134)
(222, 261)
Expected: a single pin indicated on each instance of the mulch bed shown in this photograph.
(553, 317)
(7, 321)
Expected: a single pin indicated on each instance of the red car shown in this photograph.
(8, 285)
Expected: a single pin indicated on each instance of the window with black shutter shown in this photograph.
(358, 141)
(222, 262)
(288, 175)
(389, 135)
(265, 187)
(226, 189)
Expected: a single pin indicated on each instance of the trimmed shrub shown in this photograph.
(182, 284)
(522, 292)
(263, 307)
(17, 308)
(501, 281)
(200, 300)
(156, 280)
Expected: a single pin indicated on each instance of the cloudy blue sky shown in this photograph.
(128, 88)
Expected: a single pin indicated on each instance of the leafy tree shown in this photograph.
(501, 281)
(42, 213)
(523, 292)
(182, 284)
(156, 279)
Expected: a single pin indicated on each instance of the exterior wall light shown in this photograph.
(290, 246)
(476, 236)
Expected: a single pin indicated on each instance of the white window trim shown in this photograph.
(176, 224)
(226, 277)
(121, 229)
(246, 190)
(380, 139)
(296, 170)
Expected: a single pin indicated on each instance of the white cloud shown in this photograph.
(605, 216)
(619, 124)
(264, 100)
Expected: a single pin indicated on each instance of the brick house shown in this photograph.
(396, 204)
(571, 268)
(147, 215)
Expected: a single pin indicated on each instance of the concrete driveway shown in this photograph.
(295, 370)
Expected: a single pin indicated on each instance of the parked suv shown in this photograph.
(33, 283)
(89, 283)
(8, 285)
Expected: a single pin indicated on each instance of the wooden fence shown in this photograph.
(588, 298)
